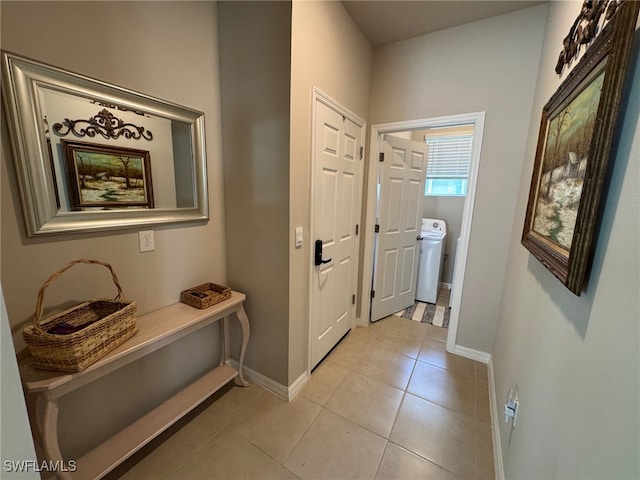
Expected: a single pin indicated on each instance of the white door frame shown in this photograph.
(477, 119)
(319, 96)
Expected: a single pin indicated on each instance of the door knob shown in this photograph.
(318, 254)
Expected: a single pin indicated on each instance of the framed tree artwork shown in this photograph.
(574, 143)
(107, 176)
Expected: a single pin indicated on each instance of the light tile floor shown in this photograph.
(387, 403)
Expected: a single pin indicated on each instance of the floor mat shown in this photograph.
(428, 313)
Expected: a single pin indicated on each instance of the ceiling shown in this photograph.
(389, 21)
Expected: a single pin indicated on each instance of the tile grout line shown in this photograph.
(368, 341)
(328, 410)
(282, 464)
(384, 452)
(405, 393)
(172, 475)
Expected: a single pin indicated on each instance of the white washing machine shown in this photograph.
(431, 259)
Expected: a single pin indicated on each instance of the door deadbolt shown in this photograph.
(318, 254)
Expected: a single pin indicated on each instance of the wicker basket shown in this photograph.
(72, 340)
(205, 295)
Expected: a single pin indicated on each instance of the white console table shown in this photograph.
(155, 330)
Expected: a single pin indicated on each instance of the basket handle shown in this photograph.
(39, 307)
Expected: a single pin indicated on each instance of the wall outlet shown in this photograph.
(147, 242)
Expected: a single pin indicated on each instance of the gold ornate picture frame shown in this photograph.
(574, 145)
(107, 177)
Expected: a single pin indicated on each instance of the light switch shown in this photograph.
(298, 237)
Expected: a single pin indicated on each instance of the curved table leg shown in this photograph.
(49, 432)
(244, 323)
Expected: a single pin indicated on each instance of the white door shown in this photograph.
(399, 221)
(337, 174)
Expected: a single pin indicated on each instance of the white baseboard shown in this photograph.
(486, 358)
(477, 355)
(495, 427)
(296, 386)
(444, 285)
(286, 393)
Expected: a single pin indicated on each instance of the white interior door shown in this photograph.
(337, 183)
(402, 178)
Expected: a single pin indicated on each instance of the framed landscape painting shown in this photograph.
(571, 163)
(107, 177)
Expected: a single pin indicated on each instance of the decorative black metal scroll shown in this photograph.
(585, 28)
(104, 124)
(118, 107)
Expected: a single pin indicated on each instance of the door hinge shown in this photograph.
(373, 294)
(357, 229)
(377, 228)
(361, 152)
(382, 156)
(353, 299)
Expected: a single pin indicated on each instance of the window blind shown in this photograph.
(449, 156)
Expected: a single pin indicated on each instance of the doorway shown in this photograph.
(378, 133)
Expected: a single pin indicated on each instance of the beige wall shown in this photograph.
(330, 53)
(267, 176)
(153, 48)
(255, 46)
(575, 359)
(487, 66)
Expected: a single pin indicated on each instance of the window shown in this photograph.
(448, 167)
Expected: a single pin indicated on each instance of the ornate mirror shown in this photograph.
(92, 156)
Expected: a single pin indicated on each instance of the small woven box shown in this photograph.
(72, 340)
(205, 295)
